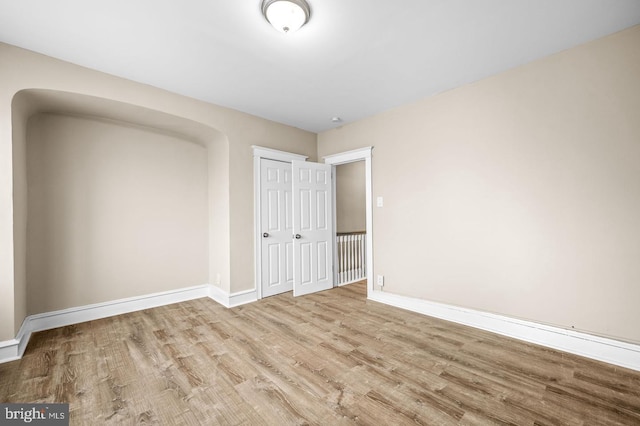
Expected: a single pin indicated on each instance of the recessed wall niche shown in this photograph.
(111, 208)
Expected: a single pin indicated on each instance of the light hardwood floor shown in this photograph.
(329, 358)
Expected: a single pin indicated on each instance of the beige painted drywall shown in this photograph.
(35, 101)
(351, 197)
(19, 118)
(518, 194)
(23, 70)
(114, 211)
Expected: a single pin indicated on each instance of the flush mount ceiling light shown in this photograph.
(286, 16)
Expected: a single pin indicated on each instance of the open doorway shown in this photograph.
(350, 223)
(362, 158)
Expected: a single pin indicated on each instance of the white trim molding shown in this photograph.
(11, 350)
(234, 299)
(242, 298)
(348, 156)
(274, 154)
(599, 348)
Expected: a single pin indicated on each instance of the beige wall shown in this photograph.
(233, 240)
(351, 197)
(20, 108)
(114, 211)
(518, 194)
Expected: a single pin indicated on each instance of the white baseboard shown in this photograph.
(13, 349)
(234, 299)
(219, 295)
(242, 298)
(10, 350)
(599, 348)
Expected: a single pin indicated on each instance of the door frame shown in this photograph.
(359, 154)
(259, 153)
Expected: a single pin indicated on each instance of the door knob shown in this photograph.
(298, 236)
(265, 235)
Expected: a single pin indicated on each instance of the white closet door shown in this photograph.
(312, 227)
(276, 227)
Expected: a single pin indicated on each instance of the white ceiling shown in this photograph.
(353, 59)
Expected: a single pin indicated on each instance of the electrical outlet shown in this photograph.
(380, 202)
(218, 279)
(381, 280)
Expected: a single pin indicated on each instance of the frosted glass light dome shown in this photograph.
(286, 16)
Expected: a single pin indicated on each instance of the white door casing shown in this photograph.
(276, 227)
(312, 227)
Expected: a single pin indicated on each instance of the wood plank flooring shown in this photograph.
(329, 358)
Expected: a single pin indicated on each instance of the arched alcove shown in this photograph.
(113, 200)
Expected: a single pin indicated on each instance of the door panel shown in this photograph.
(273, 200)
(313, 223)
(276, 222)
(305, 210)
(289, 262)
(305, 264)
(274, 264)
(323, 264)
(321, 210)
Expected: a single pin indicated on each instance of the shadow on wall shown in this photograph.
(112, 200)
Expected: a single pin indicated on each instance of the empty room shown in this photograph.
(320, 212)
